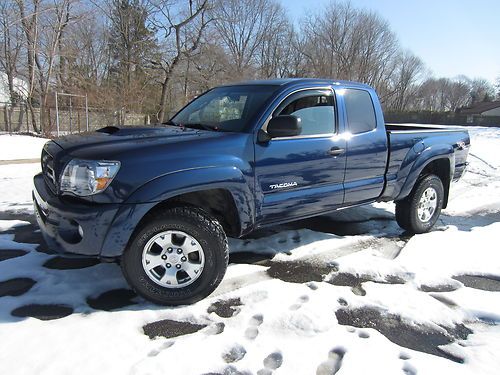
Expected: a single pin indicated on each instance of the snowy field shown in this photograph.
(20, 147)
(350, 293)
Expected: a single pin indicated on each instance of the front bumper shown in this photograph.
(70, 227)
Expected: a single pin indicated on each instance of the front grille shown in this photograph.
(49, 174)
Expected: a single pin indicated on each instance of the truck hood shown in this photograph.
(149, 153)
(111, 140)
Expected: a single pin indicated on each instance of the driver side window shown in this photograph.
(315, 110)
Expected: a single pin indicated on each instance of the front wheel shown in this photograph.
(178, 257)
(418, 212)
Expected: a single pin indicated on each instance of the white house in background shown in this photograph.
(483, 109)
(20, 86)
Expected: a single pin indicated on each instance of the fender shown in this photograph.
(411, 170)
(190, 180)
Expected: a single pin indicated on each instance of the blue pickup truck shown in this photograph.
(164, 198)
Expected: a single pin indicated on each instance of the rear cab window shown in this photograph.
(359, 110)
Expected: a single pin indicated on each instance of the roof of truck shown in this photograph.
(298, 81)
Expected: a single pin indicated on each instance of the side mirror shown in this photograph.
(284, 126)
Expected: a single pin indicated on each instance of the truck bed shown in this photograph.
(420, 128)
(406, 142)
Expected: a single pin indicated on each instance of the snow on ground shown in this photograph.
(348, 293)
(14, 146)
(16, 181)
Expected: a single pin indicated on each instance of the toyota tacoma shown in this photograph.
(164, 198)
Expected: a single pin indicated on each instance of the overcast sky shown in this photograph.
(452, 37)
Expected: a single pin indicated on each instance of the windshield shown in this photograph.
(231, 108)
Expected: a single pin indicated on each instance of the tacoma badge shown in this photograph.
(283, 185)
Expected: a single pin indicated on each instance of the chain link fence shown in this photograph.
(17, 118)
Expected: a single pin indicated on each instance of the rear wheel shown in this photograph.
(178, 257)
(418, 212)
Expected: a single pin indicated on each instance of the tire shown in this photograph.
(151, 243)
(408, 215)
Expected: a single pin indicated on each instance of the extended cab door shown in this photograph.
(302, 175)
(366, 147)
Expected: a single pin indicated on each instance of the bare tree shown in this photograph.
(29, 20)
(131, 44)
(55, 18)
(277, 50)
(87, 54)
(458, 93)
(408, 71)
(481, 90)
(11, 41)
(243, 26)
(443, 94)
(497, 87)
(152, 56)
(210, 67)
(182, 32)
(343, 42)
(43, 24)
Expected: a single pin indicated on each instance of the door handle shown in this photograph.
(336, 151)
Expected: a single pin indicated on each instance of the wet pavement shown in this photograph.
(406, 334)
(171, 328)
(43, 312)
(489, 283)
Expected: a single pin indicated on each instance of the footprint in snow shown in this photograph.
(253, 331)
(302, 299)
(225, 308)
(165, 345)
(444, 300)
(334, 362)
(215, 329)
(358, 290)
(234, 353)
(231, 370)
(257, 296)
(363, 334)
(404, 356)
(312, 285)
(342, 302)
(408, 369)
(272, 362)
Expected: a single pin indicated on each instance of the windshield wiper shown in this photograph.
(193, 125)
(200, 126)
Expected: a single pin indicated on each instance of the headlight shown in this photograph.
(88, 177)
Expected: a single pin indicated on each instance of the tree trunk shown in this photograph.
(6, 119)
(33, 117)
(163, 98)
(186, 81)
(10, 111)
